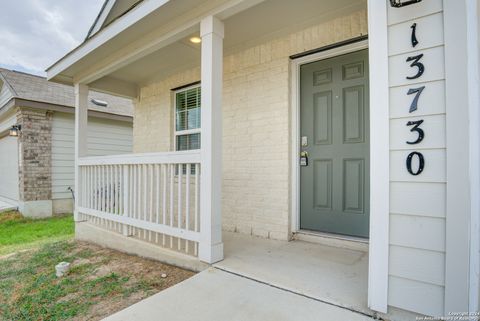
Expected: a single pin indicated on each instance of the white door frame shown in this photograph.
(379, 147)
(295, 65)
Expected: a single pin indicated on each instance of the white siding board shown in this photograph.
(60, 156)
(434, 171)
(418, 232)
(8, 123)
(9, 188)
(399, 44)
(105, 137)
(433, 127)
(420, 199)
(111, 142)
(416, 296)
(61, 143)
(433, 59)
(418, 265)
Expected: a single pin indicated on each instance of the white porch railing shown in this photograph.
(154, 197)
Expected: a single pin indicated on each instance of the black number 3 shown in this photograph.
(416, 63)
(421, 163)
(421, 133)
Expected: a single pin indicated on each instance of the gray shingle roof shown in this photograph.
(36, 88)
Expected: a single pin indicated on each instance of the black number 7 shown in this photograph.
(418, 91)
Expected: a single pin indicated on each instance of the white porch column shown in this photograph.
(211, 245)
(81, 120)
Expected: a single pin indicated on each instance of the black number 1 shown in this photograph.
(414, 35)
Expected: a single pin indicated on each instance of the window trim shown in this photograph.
(186, 131)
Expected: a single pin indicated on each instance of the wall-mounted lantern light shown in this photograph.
(15, 130)
(402, 3)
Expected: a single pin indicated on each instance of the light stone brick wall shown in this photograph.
(256, 128)
(35, 155)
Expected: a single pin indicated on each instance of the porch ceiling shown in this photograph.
(266, 20)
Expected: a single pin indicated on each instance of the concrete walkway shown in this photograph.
(216, 295)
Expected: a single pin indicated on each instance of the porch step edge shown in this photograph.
(349, 243)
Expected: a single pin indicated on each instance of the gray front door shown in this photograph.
(334, 184)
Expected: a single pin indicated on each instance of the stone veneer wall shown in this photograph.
(256, 127)
(35, 157)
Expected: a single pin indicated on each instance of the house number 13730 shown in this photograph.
(415, 63)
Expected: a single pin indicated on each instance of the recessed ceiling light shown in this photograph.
(195, 40)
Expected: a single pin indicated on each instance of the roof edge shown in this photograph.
(10, 87)
(150, 7)
(97, 19)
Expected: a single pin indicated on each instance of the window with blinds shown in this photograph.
(187, 118)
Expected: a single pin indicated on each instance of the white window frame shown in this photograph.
(187, 131)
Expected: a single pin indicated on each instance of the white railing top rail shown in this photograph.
(180, 157)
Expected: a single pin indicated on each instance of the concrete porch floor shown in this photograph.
(329, 274)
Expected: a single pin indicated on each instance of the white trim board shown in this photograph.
(473, 43)
(379, 157)
(458, 176)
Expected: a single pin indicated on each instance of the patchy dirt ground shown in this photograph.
(100, 282)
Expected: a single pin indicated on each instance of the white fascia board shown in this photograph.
(105, 35)
(101, 19)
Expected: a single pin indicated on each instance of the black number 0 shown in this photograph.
(421, 163)
(416, 63)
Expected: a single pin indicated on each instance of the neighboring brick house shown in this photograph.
(37, 167)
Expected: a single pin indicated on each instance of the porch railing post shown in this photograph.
(211, 245)
(81, 123)
(126, 198)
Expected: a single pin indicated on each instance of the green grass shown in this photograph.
(19, 233)
(29, 289)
